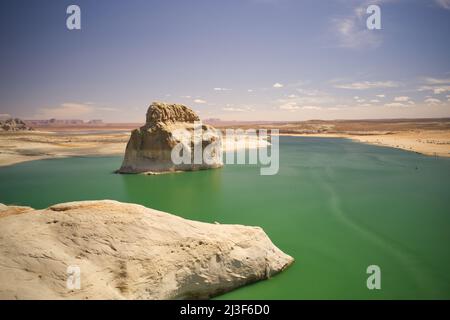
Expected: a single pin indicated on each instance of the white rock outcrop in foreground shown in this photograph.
(167, 125)
(127, 251)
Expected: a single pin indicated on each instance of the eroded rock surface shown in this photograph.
(13, 125)
(167, 126)
(127, 251)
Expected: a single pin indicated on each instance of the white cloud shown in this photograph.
(435, 89)
(5, 116)
(363, 85)
(278, 85)
(404, 99)
(232, 109)
(186, 97)
(431, 80)
(374, 101)
(381, 95)
(250, 90)
(242, 108)
(311, 108)
(222, 89)
(291, 106)
(311, 92)
(66, 110)
(73, 110)
(395, 104)
(401, 99)
(352, 33)
(309, 100)
(438, 86)
(432, 101)
(200, 101)
(443, 4)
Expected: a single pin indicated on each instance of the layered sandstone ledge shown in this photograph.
(167, 126)
(127, 251)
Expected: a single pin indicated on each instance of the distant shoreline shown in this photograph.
(429, 143)
(431, 139)
(23, 146)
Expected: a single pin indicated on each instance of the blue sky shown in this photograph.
(228, 59)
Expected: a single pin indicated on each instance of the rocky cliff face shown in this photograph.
(163, 113)
(13, 125)
(170, 126)
(127, 251)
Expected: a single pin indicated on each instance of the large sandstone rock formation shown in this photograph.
(127, 251)
(13, 125)
(170, 126)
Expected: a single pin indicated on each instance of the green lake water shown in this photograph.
(336, 206)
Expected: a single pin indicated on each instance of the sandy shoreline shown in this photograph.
(26, 146)
(427, 142)
(36, 145)
(20, 147)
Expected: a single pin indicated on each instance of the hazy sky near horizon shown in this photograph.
(228, 59)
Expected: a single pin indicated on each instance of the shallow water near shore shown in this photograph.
(336, 206)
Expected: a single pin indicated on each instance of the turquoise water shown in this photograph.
(336, 206)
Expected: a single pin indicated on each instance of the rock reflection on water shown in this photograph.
(178, 193)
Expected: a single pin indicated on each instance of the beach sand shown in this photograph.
(431, 143)
(19, 147)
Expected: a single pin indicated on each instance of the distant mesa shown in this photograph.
(63, 122)
(14, 125)
(212, 121)
(95, 121)
(168, 125)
